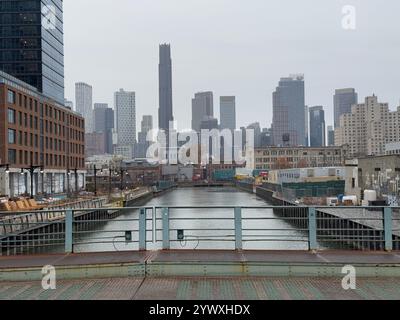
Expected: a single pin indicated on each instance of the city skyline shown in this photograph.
(211, 62)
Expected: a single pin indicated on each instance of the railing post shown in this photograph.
(312, 229)
(238, 229)
(387, 223)
(69, 216)
(165, 228)
(142, 229)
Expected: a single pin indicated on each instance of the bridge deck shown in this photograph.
(199, 288)
(204, 257)
(211, 275)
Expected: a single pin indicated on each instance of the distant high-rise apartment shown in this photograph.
(147, 124)
(84, 104)
(227, 110)
(307, 127)
(143, 144)
(331, 136)
(266, 137)
(32, 44)
(202, 109)
(104, 123)
(209, 123)
(257, 133)
(317, 126)
(95, 144)
(289, 112)
(368, 128)
(165, 111)
(342, 102)
(125, 108)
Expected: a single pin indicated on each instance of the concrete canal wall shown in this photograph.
(338, 228)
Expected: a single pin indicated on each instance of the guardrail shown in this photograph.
(206, 227)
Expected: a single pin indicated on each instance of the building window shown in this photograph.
(11, 97)
(12, 156)
(11, 136)
(11, 116)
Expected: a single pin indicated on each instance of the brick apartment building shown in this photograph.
(36, 133)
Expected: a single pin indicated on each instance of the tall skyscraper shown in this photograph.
(342, 102)
(104, 123)
(125, 108)
(227, 110)
(289, 112)
(202, 109)
(143, 144)
(32, 44)
(317, 126)
(331, 136)
(84, 104)
(165, 111)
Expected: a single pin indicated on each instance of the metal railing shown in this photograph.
(202, 227)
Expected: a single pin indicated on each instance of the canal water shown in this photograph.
(201, 228)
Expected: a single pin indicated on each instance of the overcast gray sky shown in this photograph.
(232, 47)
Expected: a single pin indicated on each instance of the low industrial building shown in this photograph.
(292, 184)
(177, 172)
(273, 158)
(141, 171)
(380, 173)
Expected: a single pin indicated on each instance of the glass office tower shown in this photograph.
(289, 119)
(31, 44)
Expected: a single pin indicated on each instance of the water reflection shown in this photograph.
(202, 228)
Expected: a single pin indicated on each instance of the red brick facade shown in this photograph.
(36, 131)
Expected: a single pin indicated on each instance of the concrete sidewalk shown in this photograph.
(199, 263)
(199, 288)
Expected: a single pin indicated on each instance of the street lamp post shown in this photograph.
(32, 170)
(68, 182)
(95, 179)
(110, 171)
(122, 173)
(121, 187)
(76, 180)
(69, 172)
(7, 166)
